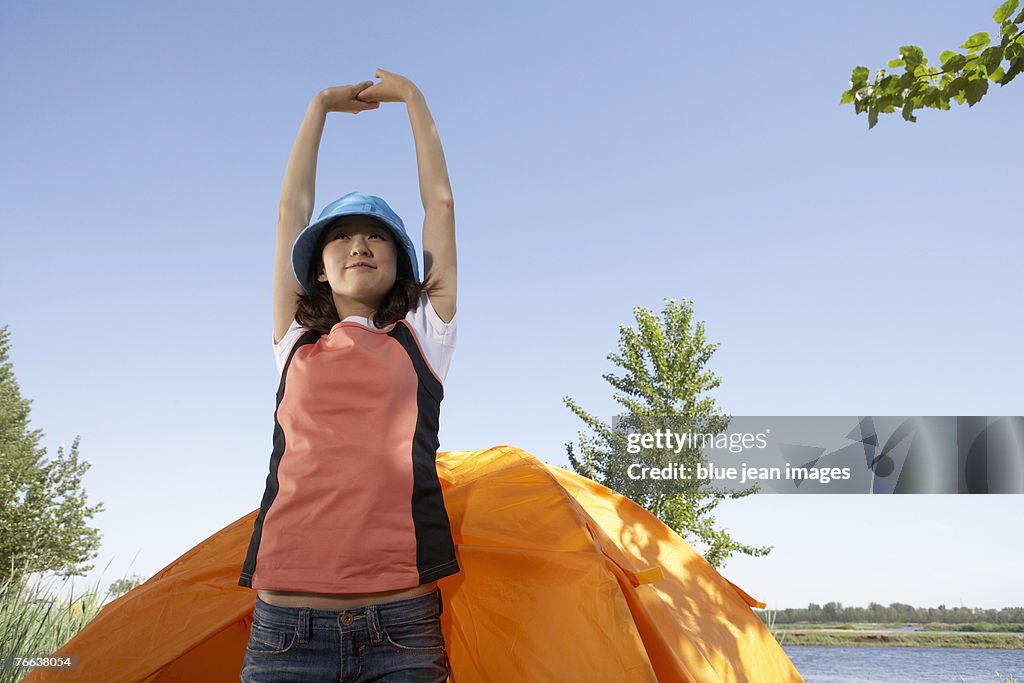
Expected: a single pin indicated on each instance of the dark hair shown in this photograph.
(316, 310)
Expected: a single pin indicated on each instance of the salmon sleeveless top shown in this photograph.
(352, 502)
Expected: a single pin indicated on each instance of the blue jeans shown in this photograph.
(391, 641)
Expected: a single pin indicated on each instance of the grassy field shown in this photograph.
(868, 635)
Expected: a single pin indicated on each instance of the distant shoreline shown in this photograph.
(881, 638)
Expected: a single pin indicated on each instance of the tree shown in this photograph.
(663, 381)
(963, 77)
(122, 586)
(43, 511)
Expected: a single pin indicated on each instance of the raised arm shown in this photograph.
(298, 193)
(439, 262)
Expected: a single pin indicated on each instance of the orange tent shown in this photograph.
(562, 580)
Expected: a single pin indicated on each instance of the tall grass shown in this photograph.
(35, 620)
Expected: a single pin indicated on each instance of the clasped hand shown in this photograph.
(353, 99)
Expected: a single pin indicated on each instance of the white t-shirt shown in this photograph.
(436, 338)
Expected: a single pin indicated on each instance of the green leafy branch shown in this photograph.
(962, 78)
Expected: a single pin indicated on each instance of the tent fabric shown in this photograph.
(562, 580)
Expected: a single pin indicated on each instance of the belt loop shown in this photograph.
(440, 602)
(303, 627)
(373, 624)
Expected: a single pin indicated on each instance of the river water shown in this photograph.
(904, 664)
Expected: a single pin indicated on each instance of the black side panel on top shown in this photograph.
(245, 579)
(435, 550)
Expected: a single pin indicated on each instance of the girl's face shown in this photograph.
(360, 259)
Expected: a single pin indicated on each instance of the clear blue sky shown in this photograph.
(602, 156)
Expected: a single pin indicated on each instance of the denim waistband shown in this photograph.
(370, 617)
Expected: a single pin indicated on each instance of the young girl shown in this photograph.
(352, 534)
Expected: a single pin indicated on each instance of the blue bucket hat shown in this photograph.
(352, 204)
